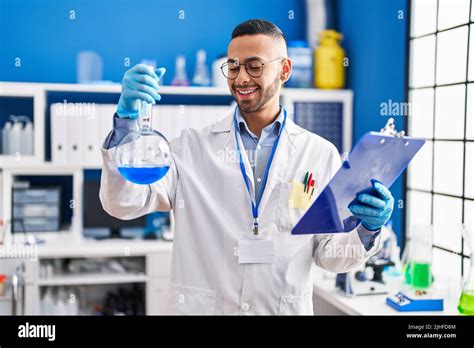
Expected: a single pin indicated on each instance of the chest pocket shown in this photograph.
(292, 204)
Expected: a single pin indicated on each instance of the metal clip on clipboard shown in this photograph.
(389, 129)
(380, 155)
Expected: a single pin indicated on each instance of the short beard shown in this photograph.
(268, 94)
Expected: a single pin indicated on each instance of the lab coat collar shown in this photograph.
(274, 127)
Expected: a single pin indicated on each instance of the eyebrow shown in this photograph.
(230, 60)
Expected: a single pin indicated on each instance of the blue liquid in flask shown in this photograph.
(143, 175)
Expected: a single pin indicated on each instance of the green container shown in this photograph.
(420, 274)
(466, 303)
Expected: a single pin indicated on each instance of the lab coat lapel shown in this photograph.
(246, 161)
(230, 147)
(285, 150)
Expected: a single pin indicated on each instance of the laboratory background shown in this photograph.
(356, 64)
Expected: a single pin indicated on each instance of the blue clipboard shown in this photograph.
(377, 155)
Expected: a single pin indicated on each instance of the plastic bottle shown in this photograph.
(47, 303)
(329, 61)
(5, 137)
(26, 146)
(302, 57)
(61, 303)
(180, 76)
(14, 138)
(201, 72)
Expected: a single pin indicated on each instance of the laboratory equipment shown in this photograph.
(26, 137)
(329, 61)
(14, 138)
(36, 209)
(415, 300)
(100, 225)
(356, 283)
(302, 58)
(180, 77)
(89, 67)
(17, 136)
(218, 80)
(405, 260)
(201, 72)
(18, 290)
(390, 250)
(6, 137)
(125, 301)
(421, 245)
(368, 279)
(466, 302)
(143, 156)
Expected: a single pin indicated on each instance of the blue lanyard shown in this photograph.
(244, 174)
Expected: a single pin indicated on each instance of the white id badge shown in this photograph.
(256, 251)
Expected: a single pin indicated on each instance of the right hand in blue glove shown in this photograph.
(139, 83)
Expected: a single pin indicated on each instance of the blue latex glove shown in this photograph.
(373, 206)
(139, 83)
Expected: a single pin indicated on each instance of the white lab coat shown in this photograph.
(212, 211)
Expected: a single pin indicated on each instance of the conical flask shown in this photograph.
(466, 302)
(143, 156)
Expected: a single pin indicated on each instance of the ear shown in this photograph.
(286, 70)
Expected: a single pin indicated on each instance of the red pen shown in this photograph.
(309, 181)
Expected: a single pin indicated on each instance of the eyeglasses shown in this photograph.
(254, 68)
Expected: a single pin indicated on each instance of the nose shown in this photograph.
(243, 76)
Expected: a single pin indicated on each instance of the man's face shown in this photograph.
(253, 93)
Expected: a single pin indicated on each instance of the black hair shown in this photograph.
(258, 26)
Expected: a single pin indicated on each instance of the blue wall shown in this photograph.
(375, 39)
(47, 41)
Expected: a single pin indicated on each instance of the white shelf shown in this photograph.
(22, 167)
(92, 279)
(19, 88)
(28, 89)
(13, 161)
(69, 247)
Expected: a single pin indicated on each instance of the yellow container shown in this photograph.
(329, 61)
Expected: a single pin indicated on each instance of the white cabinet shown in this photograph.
(153, 277)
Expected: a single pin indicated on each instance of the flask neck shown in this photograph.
(145, 115)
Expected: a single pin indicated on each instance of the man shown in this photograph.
(233, 250)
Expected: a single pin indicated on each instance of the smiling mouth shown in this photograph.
(246, 92)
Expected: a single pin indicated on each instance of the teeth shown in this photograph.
(247, 91)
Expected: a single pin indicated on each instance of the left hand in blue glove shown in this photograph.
(373, 206)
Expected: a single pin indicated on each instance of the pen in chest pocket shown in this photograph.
(309, 183)
(305, 182)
